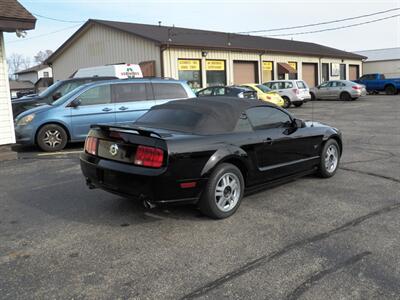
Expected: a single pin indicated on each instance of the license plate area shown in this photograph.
(116, 151)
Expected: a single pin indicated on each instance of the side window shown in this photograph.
(250, 88)
(129, 92)
(288, 85)
(325, 84)
(243, 124)
(267, 117)
(96, 95)
(168, 91)
(219, 91)
(333, 84)
(206, 92)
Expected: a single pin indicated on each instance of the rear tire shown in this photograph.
(223, 192)
(52, 137)
(345, 96)
(286, 102)
(390, 90)
(298, 104)
(313, 98)
(330, 158)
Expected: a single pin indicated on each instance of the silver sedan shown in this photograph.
(338, 89)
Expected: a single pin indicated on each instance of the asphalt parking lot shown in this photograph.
(312, 238)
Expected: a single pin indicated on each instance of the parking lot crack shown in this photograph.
(316, 277)
(371, 174)
(258, 262)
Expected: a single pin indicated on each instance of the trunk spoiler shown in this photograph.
(127, 129)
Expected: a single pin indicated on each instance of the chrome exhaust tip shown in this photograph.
(147, 204)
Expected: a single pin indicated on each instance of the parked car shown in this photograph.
(51, 94)
(379, 83)
(294, 92)
(207, 152)
(227, 91)
(69, 118)
(338, 89)
(264, 93)
(121, 71)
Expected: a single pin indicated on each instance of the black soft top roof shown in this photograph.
(215, 114)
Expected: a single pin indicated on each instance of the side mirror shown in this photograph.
(75, 103)
(297, 123)
(56, 96)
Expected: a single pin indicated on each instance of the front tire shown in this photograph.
(286, 102)
(313, 98)
(330, 158)
(52, 137)
(223, 192)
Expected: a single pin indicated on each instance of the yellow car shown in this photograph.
(264, 93)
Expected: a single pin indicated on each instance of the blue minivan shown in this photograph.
(69, 118)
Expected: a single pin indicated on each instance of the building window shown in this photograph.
(268, 71)
(215, 72)
(335, 69)
(293, 64)
(342, 71)
(46, 74)
(190, 71)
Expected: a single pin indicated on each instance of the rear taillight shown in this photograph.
(269, 97)
(149, 157)
(356, 87)
(296, 91)
(91, 145)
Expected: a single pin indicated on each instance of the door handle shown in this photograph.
(123, 108)
(107, 109)
(268, 141)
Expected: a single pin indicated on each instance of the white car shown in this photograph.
(294, 92)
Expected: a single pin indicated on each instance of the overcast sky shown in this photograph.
(227, 16)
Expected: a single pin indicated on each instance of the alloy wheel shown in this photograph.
(52, 138)
(227, 192)
(331, 158)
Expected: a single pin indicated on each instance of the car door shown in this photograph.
(336, 89)
(95, 106)
(322, 90)
(205, 92)
(168, 91)
(284, 149)
(131, 100)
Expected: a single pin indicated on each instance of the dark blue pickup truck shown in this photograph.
(378, 83)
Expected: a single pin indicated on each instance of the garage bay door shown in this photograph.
(310, 74)
(244, 72)
(354, 72)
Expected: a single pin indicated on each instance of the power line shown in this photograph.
(42, 35)
(54, 19)
(334, 28)
(321, 23)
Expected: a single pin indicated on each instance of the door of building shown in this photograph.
(325, 72)
(354, 72)
(245, 72)
(310, 74)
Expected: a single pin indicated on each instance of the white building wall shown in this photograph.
(390, 68)
(7, 135)
(171, 56)
(42, 71)
(100, 45)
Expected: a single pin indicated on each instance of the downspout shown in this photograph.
(162, 49)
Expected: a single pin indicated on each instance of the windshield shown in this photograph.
(264, 88)
(51, 89)
(67, 96)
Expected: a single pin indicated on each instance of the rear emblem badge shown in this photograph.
(114, 149)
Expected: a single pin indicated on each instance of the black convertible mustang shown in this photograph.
(207, 151)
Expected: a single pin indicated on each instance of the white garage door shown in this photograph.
(7, 135)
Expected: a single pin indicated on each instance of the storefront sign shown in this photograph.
(215, 65)
(293, 64)
(335, 69)
(267, 66)
(188, 65)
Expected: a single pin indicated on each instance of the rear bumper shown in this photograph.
(138, 183)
